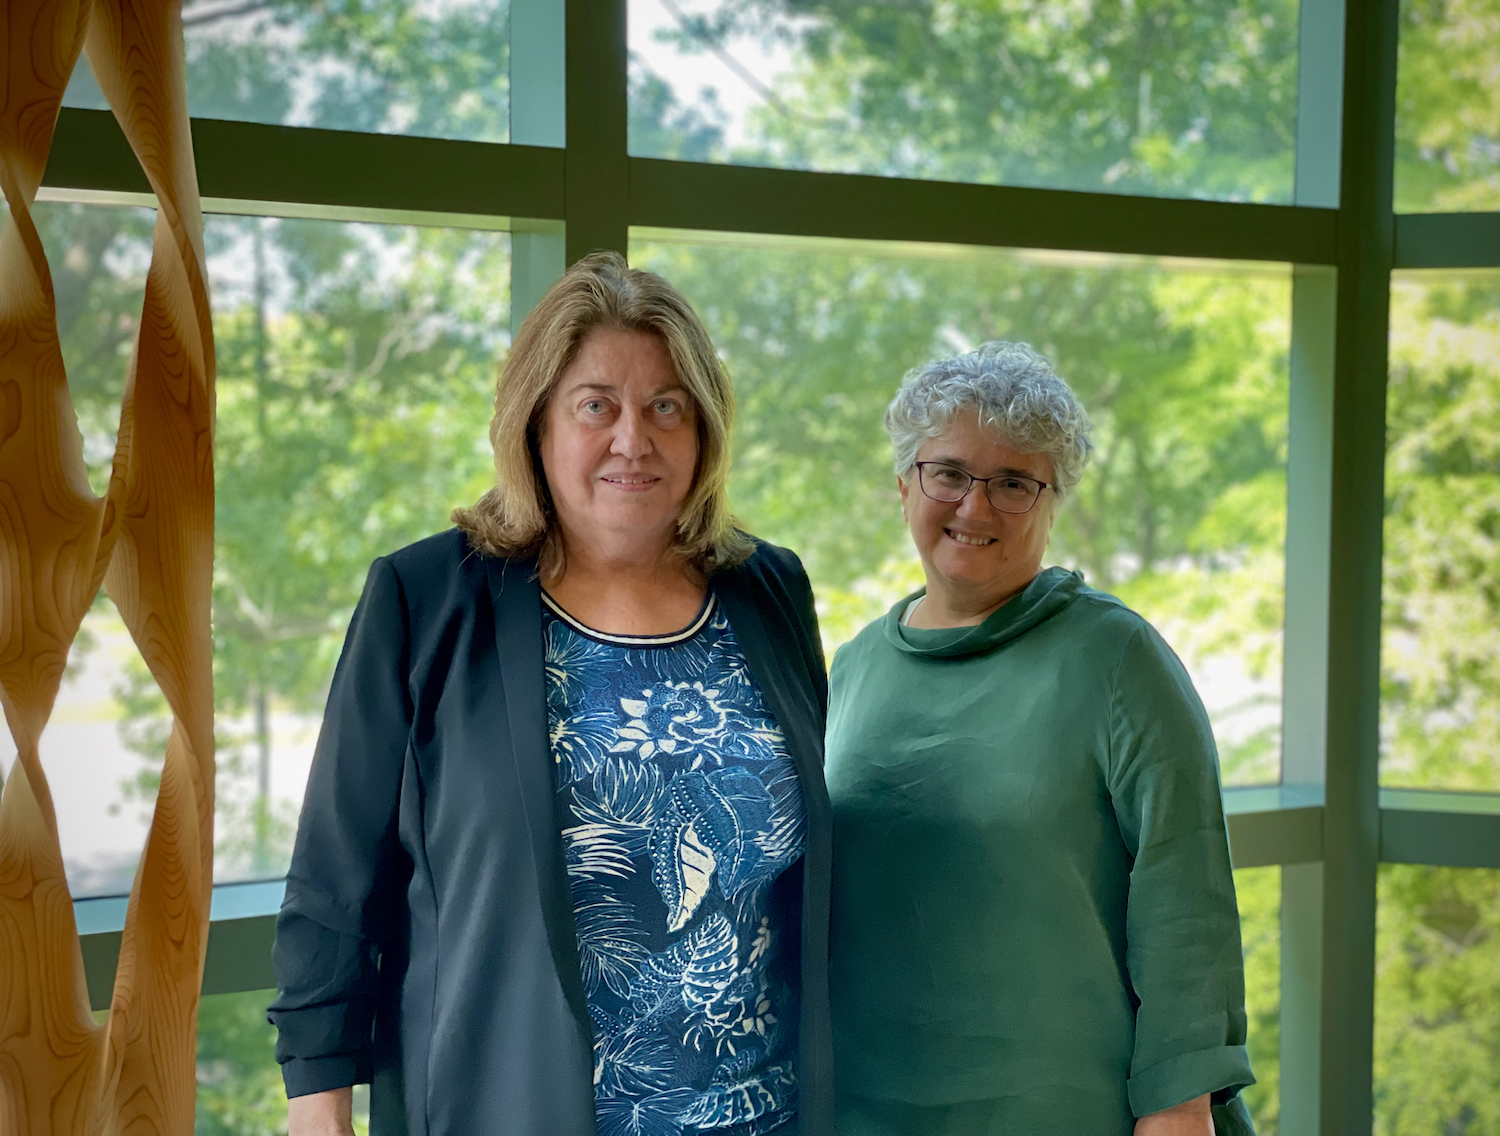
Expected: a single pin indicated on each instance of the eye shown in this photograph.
(950, 476)
(594, 406)
(666, 406)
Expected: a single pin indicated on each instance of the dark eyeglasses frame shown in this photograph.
(1040, 485)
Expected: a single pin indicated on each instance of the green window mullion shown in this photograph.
(1352, 819)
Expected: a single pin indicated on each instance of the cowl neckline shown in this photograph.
(1048, 593)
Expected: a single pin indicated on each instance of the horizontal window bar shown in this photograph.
(1439, 800)
(690, 195)
(1267, 826)
(244, 162)
(248, 163)
(488, 222)
(1266, 798)
(242, 926)
(1447, 240)
(1452, 839)
(1277, 836)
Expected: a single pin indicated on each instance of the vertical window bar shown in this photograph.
(597, 191)
(1320, 93)
(1351, 822)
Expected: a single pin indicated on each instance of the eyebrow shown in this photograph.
(1002, 472)
(610, 388)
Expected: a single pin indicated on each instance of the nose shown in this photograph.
(975, 505)
(632, 438)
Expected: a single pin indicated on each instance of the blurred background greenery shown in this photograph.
(356, 365)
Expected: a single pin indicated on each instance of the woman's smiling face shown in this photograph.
(974, 555)
(619, 444)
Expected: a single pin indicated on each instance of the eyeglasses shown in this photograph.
(1006, 492)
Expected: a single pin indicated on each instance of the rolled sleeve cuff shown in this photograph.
(305, 1075)
(1222, 1070)
(1232, 1118)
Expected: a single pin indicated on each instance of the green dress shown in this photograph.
(1034, 924)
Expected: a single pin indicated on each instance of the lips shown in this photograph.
(969, 540)
(629, 480)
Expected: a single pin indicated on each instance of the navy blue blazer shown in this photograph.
(426, 943)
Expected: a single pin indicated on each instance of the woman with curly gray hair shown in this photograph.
(1034, 924)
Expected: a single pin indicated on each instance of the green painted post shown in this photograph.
(1351, 825)
(597, 192)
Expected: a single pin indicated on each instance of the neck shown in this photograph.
(635, 589)
(642, 563)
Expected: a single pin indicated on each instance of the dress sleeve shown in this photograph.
(1182, 924)
(347, 867)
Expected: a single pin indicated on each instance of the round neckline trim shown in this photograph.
(699, 622)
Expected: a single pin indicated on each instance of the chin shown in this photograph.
(971, 564)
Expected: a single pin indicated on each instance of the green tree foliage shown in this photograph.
(1438, 980)
(1171, 97)
(1437, 1014)
(1441, 692)
(1259, 893)
(390, 66)
(1448, 106)
(239, 1082)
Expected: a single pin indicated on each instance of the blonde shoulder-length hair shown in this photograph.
(516, 517)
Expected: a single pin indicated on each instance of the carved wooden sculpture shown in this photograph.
(150, 541)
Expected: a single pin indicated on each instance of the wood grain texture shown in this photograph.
(149, 539)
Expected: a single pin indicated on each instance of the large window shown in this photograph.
(1448, 107)
(355, 377)
(1437, 1001)
(1183, 367)
(1440, 695)
(439, 69)
(1259, 893)
(1166, 97)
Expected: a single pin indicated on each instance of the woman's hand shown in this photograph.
(329, 1114)
(1191, 1118)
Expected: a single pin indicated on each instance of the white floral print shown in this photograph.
(683, 807)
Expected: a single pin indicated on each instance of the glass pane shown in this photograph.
(1448, 107)
(1440, 667)
(355, 375)
(1161, 97)
(1437, 1001)
(1182, 366)
(1259, 894)
(239, 1083)
(439, 68)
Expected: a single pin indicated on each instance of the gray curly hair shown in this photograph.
(1015, 391)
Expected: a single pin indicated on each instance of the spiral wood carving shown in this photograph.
(149, 539)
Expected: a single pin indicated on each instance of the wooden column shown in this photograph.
(150, 540)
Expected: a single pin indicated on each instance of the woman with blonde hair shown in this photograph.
(563, 862)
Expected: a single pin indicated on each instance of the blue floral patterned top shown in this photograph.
(682, 813)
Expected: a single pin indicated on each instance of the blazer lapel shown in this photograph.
(774, 666)
(515, 597)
